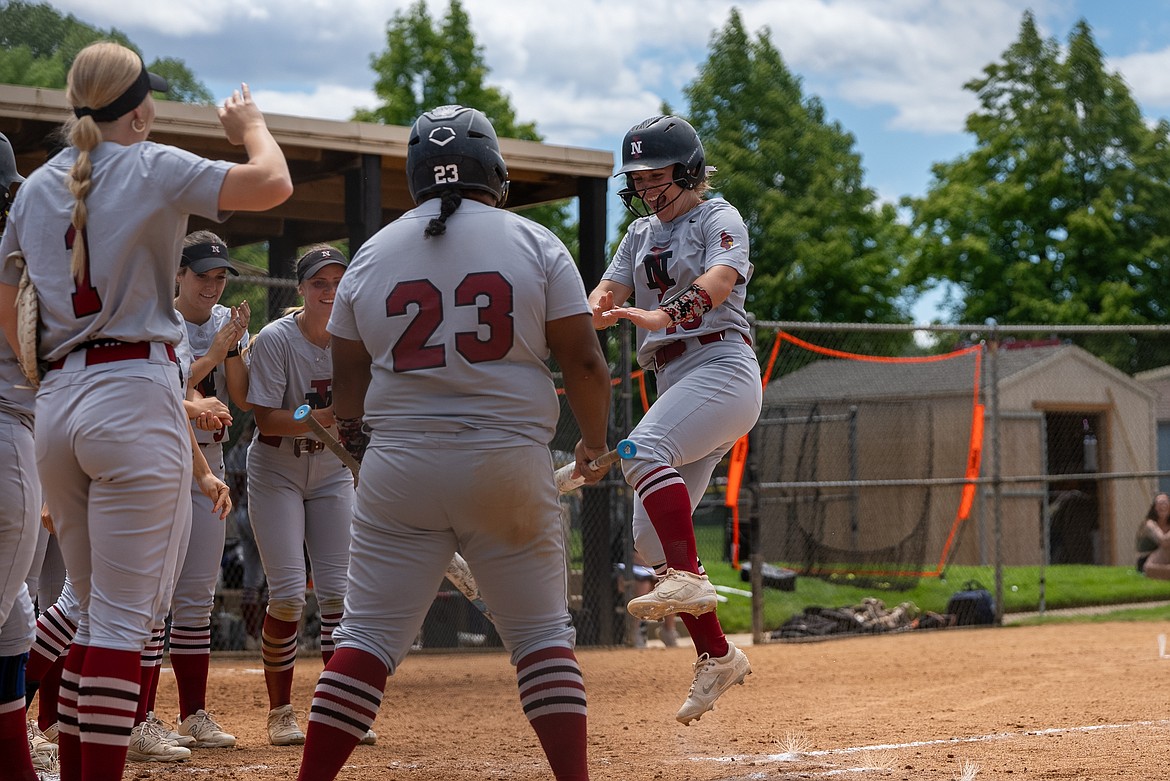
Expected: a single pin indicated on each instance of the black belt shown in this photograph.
(669, 352)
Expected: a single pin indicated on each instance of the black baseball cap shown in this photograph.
(315, 260)
(206, 256)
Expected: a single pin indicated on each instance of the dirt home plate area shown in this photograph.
(1066, 701)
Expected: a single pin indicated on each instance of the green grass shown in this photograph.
(1067, 586)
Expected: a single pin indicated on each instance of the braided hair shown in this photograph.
(100, 73)
(438, 225)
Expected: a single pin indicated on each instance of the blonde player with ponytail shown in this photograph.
(101, 228)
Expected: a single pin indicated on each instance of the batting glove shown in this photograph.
(354, 436)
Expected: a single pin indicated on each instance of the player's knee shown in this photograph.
(641, 465)
(286, 609)
(331, 605)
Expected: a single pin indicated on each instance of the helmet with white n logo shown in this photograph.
(454, 148)
(661, 141)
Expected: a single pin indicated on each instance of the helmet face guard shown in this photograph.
(661, 142)
(455, 148)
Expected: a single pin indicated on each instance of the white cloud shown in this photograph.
(326, 101)
(1147, 74)
(586, 70)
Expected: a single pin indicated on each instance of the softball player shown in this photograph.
(216, 335)
(20, 505)
(299, 495)
(685, 261)
(448, 316)
(101, 226)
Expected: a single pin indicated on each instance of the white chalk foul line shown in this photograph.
(791, 757)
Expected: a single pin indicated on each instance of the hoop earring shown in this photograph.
(138, 126)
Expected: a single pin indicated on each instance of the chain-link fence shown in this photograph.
(886, 457)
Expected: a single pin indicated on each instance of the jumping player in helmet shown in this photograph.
(686, 266)
(657, 143)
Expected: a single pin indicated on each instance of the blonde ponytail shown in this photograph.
(99, 74)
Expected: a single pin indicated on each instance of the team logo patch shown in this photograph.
(725, 240)
(635, 147)
(441, 136)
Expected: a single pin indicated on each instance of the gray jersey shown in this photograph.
(286, 370)
(439, 315)
(659, 260)
(200, 337)
(135, 230)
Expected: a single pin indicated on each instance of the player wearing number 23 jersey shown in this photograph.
(442, 327)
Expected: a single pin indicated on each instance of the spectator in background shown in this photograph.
(1153, 540)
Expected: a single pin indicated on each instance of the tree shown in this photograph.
(1061, 212)
(427, 64)
(38, 44)
(822, 247)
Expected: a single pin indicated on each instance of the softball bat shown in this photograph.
(458, 572)
(567, 482)
(303, 414)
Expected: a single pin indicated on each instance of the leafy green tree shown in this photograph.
(430, 63)
(823, 248)
(37, 45)
(1061, 212)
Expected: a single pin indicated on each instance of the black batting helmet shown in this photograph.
(455, 148)
(662, 141)
(8, 173)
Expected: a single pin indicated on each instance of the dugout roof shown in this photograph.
(349, 177)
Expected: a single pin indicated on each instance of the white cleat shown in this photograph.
(369, 739)
(42, 751)
(205, 732)
(168, 732)
(712, 678)
(676, 592)
(148, 743)
(282, 727)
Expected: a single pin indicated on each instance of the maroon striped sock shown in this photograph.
(707, 634)
(279, 649)
(667, 502)
(345, 703)
(68, 741)
(107, 698)
(48, 688)
(150, 665)
(329, 622)
(552, 693)
(190, 656)
(54, 634)
(13, 737)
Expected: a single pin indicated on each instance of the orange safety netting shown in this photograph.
(975, 446)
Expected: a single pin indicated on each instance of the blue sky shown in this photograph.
(890, 71)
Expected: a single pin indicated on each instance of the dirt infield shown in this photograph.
(1053, 702)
